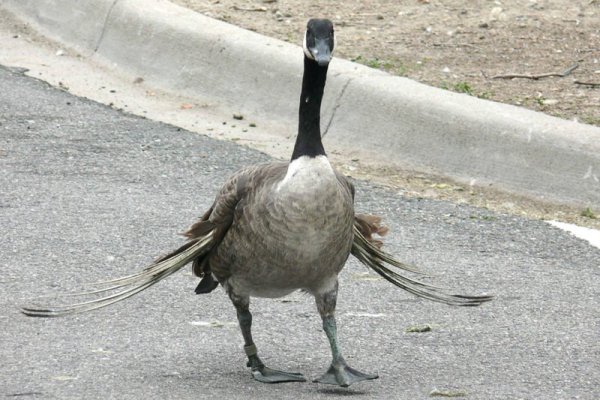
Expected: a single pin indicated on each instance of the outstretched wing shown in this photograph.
(368, 251)
(204, 236)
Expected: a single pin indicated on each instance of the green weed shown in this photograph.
(588, 213)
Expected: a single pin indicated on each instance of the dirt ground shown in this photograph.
(457, 45)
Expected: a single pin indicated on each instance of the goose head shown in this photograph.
(319, 41)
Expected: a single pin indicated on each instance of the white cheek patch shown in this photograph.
(307, 52)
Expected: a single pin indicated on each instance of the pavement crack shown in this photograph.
(104, 24)
(336, 106)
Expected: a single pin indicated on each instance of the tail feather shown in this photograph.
(131, 284)
(369, 254)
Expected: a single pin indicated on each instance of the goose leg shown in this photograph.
(260, 372)
(339, 373)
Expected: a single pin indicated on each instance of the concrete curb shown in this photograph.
(401, 121)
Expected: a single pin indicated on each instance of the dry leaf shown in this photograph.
(63, 378)
(447, 393)
(418, 329)
(208, 324)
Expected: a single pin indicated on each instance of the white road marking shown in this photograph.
(591, 235)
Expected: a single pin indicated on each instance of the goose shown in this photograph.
(276, 228)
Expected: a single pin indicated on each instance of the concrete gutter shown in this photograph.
(366, 111)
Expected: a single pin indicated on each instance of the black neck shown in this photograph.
(308, 142)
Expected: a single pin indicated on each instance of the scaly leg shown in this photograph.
(260, 372)
(339, 373)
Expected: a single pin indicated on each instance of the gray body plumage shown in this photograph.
(291, 229)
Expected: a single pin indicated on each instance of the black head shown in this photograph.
(319, 41)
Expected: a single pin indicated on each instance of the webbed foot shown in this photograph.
(268, 375)
(339, 373)
(264, 374)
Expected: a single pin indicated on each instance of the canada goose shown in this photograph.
(280, 227)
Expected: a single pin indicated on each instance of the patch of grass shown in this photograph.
(588, 213)
(485, 95)
(540, 100)
(391, 66)
(399, 69)
(361, 60)
(466, 88)
(591, 120)
(463, 87)
(373, 63)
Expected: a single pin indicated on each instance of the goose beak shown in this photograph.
(322, 53)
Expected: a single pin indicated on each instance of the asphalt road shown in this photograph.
(88, 193)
